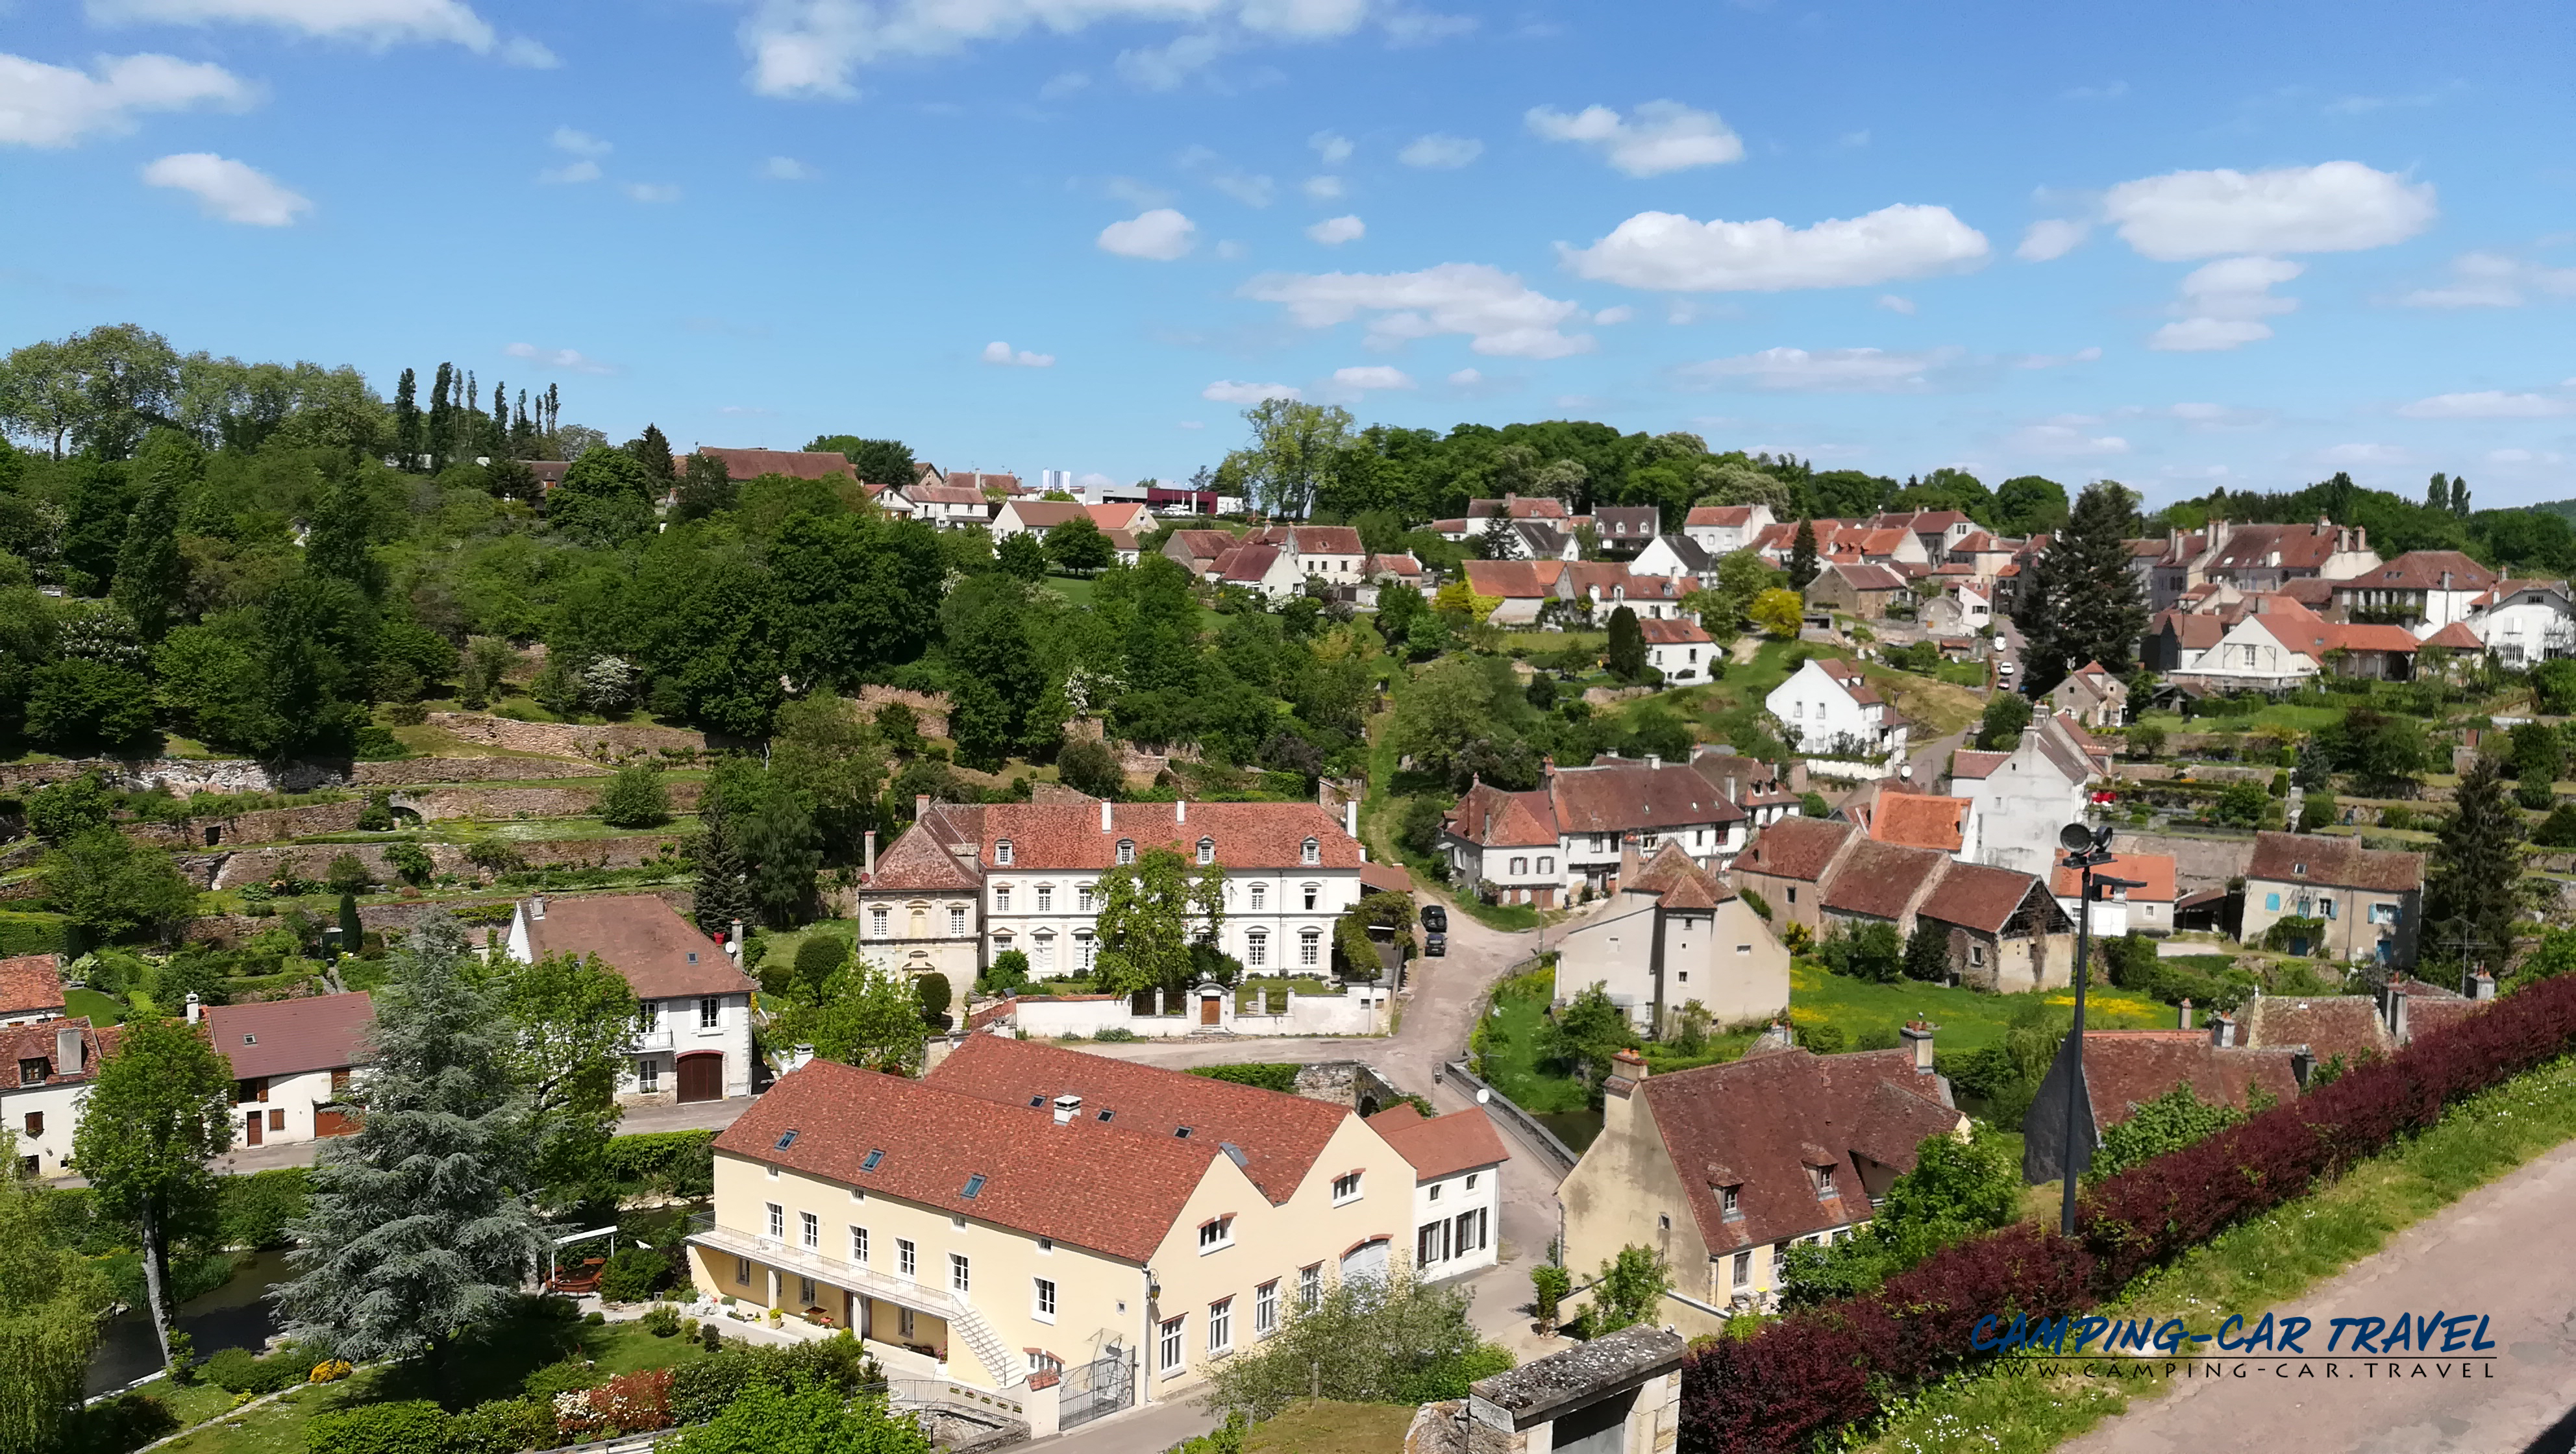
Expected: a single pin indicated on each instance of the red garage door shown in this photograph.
(702, 1077)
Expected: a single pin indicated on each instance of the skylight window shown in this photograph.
(1105, 1115)
(1037, 1100)
(871, 1163)
(1183, 1133)
(974, 1186)
(787, 1140)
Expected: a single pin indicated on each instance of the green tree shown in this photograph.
(1802, 556)
(340, 543)
(1779, 612)
(878, 461)
(1625, 656)
(604, 500)
(2170, 1122)
(2081, 601)
(2029, 505)
(1081, 546)
(2242, 804)
(1144, 924)
(817, 960)
(59, 812)
(796, 1418)
(652, 450)
(1090, 765)
(2475, 881)
(158, 1111)
(935, 996)
(1022, 555)
(51, 1304)
(834, 765)
(77, 706)
(1957, 1189)
(151, 577)
(2000, 726)
(347, 874)
(411, 863)
(109, 885)
(1724, 608)
(1629, 1290)
(1586, 1034)
(1391, 1339)
(635, 798)
(1441, 713)
(706, 488)
(1927, 953)
(571, 1018)
(1296, 448)
(864, 1016)
(722, 898)
(421, 1228)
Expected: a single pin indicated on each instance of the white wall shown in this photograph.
(1280, 919)
(291, 1098)
(59, 1105)
(677, 1031)
(1446, 1200)
(1360, 1011)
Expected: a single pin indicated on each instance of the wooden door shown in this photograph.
(250, 1128)
(1208, 1009)
(328, 1121)
(701, 1077)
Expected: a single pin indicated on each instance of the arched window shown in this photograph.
(1207, 850)
(1312, 852)
(1126, 850)
(1002, 851)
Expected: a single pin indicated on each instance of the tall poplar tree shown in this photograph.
(159, 1110)
(2476, 880)
(1802, 556)
(2080, 601)
(407, 419)
(149, 573)
(422, 1228)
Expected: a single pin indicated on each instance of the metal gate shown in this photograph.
(1103, 1386)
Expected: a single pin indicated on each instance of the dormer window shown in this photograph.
(1207, 851)
(1311, 852)
(1730, 1202)
(1824, 1182)
(1126, 850)
(1002, 852)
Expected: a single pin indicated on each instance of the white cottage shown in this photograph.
(693, 1023)
(1830, 709)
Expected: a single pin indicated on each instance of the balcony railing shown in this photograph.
(807, 1262)
(652, 1040)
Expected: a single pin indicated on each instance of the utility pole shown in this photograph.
(2087, 849)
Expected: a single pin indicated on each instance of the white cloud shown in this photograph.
(1501, 315)
(51, 106)
(998, 352)
(579, 143)
(2348, 455)
(2331, 207)
(1895, 303)
(2510, 457)
(2051, 238)
(2065, 439)
(1166, 67)
(377, 23)
(529, 55)
(1190, 424)
(1670, 252)
(1620, 314)
(812, 47)
(1827, 371)
(231, 190)
(2057, 360)
(562, 360)
(1244, 187)
(786, 169)
(2110, 92)
(576, 172)
(1334, 231)
(2223, 305)
(1373, 376)
(2493, 280)
(1227, 391)
(1333, 147)
(1322, 189)
(1659, 137)
(654, 192)
(1161, 235)
(1422, 27)
(2202, 416)
(1440, 151)
(2489, 404)
(1467, 378)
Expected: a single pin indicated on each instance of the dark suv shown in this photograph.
(1435, 918)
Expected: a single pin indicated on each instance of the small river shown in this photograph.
(235, 1315)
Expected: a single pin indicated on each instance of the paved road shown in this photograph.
(2500, 1252)
(699, 1116)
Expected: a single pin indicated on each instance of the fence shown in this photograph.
(1501, 1107)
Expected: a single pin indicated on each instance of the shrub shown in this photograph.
(411, 863)
(128, 1421)
(699, 1391)
(503, 1426)
(679, 1162)
(1115, 1034)
(256, 1208)
(633, 1274)
(661, 1320)
(628, 1404)
(1278, 1077)
(595, 1320)
(239, 1370)
(635, 798)
(2534, 795)
(935, 996)
(407, 1427)
(569, 1375)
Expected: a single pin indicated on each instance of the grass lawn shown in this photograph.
(2258, 1264)
(1325, 1427)
(2273, 714)
(1937, 708)
(1966, 1019)
(102, 1010)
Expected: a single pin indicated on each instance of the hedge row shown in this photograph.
(1811, 1374)
(33, 933)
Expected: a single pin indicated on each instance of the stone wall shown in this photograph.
(931, 707)
(311, 862)
(565, 739)
(421, 770)
(266, 825)
(181, 776)
(2199, 863)
(402, 914)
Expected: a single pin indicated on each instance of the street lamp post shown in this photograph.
(2087, 849)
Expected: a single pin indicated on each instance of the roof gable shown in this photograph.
(661, 954)
(290, 1037)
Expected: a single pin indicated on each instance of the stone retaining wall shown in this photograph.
(566, 739)
(403, 913)
(426, 770)
(181, 776)
(311, 862)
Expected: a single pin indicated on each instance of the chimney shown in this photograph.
(2303, 1063)
(1652, 761)
(2222, 1030)
(870, 865)
(1104, 815)
(67, 1053)
(1627, 1068)
(1351, 818)
(196, 1008)
(2397, 999)
(1917, 1036)
(1180, 810)
(2482, 986)
(1066, 1108)
(920, 806)
(733, 946)
(536, 906)
(2185, 1022)
(1732, 795)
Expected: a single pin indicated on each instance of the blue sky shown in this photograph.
(2176, 245)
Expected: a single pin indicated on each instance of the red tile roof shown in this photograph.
(1522, 507)
(803, 464)
(1247, 564)
(1985, 898)
(2456, 637)
(1918, 821)
(1677, 882)
(1515, 580)
(2154, 872)
(1881, 880)
(1765, 1123)
(1047, 514)
(1722, 517)
(1795, 847)
(920, 860)
(2334, 862)
(37, 1040)
(28, 984)
(1401, 565)
(1671, 631)
(2328, 1025)
(661, 954)
(1617, 795)
(1279, 1135)
(1326, 540)
(1386, 878)
(290, 1037)
(1246, 835)
(1491, 817)
(1441, 1146)
(2124, 1070)
(2421, 570)
(1110, 1188)
(1202, 545)
(1967, 762)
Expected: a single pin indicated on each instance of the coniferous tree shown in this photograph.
(1625, 653)
(421, 1229)
(159, 1110)
(149, 573)
(1802, 556)
(1927, 953)
(653, 451)
(2476, 880)
(407, 419)
(723, 898)
(2080, 601)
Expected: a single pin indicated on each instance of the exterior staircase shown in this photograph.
(979, 1335)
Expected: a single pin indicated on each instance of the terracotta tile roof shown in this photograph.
(979, 482)
(1917, 821)
(1985, 898)
(1766, 1123)
(1921, 522)
(1326, 540)
(1120, 515)
(2301, 547)
(2191, 630)
(2456, 637)
(1202, 545)
(2371, 636)
(1671, 631)
(1722, 517)
(1386, 878)
(1678, 883)
(1978, 542)
(2502, 591)
(39, 1039)
(1280, 1135)
(1522, 507)
(1493, 818)
(1247, 835)
(1795, 847)
(2421, 570)
(1113, 1189)
(2423, 1016)
(2155, 871)
(2328, 1025)
(1247, 564)
(1616, 795)
(2124, 1070)
(28, 984)
(920, 861)
(289, 1037)
(2146, 550)
(2334, 862)
(1881, 880)
(2314, 592)
(1515, 580)
(1400, 565)
(1870, 542)
(1868, 577)
(1845, 676)
(1441, 1146)
(1970, 763)
(1047, 514)
(803, 464)
(662, 955)
(943, 495)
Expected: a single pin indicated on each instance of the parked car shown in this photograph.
(1435, 946)
(1435, 918)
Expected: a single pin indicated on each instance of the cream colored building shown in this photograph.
(919, 907)
(1676, 934)
(1721, 1169)
(1457, 1187)
(1025, 1210)
(294, 1063)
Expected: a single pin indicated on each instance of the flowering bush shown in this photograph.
(329, 1370)
(1812, 1373)
(631, 1403)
